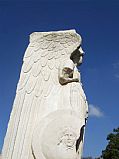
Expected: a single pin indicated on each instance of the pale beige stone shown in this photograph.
(50, 108)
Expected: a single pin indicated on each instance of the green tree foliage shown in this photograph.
(112, 149)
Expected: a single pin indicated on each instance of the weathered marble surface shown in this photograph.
(50, 108)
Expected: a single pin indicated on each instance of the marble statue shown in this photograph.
(50, 109)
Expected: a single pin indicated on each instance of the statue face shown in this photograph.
(80, 54)
(68, 139)
(77, 56)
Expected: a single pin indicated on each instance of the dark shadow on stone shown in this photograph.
(80, 138)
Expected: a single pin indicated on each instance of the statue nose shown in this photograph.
(81, 50)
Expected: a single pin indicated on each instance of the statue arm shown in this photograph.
(64, 80)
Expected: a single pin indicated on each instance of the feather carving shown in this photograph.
(39, 75)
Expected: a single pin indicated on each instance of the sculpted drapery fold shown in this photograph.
(50, 108)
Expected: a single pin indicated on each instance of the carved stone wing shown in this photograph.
(39, 74)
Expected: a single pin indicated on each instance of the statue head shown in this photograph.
(77, 56)
(68, 138)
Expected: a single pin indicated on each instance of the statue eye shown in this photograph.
(66, 135)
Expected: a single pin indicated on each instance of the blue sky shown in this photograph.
(98, 23)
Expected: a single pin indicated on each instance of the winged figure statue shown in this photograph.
(50, 108)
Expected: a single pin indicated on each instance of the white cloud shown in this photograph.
(95, 111)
